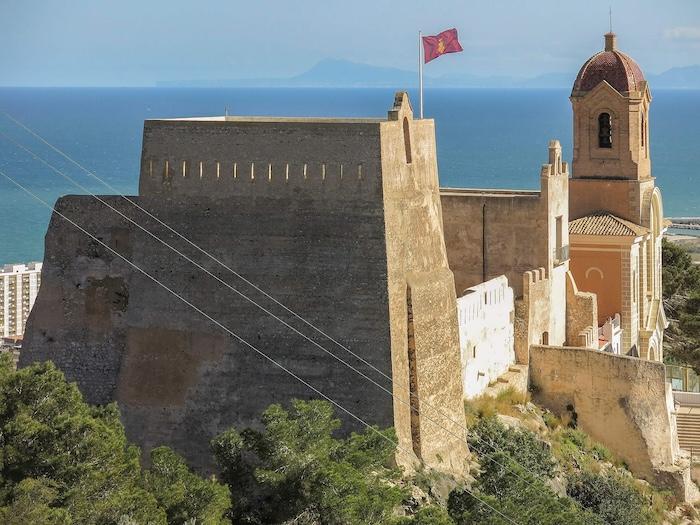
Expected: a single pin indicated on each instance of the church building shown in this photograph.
(615, 209)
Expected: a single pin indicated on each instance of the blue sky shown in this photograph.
(138, 42)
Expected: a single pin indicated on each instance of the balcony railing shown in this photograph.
(682, 378)
(561, 254)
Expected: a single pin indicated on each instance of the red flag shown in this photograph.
(438, 45)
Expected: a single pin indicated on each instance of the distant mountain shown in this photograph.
(335, 73)
(343, 73)
(677, 78)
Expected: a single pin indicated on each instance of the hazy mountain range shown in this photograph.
(343, 73)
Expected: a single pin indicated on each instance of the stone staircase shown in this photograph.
(688, 423)
(516, 378)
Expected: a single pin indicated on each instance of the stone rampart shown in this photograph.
(623, 402)
(260, 157)
(341, 251)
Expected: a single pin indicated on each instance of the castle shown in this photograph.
(439, 293)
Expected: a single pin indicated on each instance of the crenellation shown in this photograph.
(307, 176)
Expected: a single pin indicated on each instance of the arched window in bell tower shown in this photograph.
(604, 131)
(644, 132)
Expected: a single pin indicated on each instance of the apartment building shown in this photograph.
(19, 284)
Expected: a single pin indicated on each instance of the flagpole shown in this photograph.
(420, 72)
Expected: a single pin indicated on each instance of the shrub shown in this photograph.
(430, 515)
(611, 496)
(552, 421)
(521, 446)
(486, 406)
(517, 494)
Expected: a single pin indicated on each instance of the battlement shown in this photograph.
(556, 167)
(177, 175)
(478, 300)
(276, 157)
(533, 278)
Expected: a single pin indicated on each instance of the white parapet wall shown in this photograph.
(486, 313)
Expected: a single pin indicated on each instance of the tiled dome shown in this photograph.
(619, 70)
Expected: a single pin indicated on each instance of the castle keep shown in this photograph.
(441, 293)
(338, 219)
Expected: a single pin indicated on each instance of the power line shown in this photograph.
(230, 332)
(461, 426)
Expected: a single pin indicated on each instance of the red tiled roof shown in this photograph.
(613, 66)
(602, 223)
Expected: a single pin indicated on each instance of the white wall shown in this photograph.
(486, 313)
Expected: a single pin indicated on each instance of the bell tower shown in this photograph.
(610, 100)
(615, 209)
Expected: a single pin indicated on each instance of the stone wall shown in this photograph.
(620, 401)
(417, 268)
(522, 235)
(494, 232)
(581, 316)
(339, 246)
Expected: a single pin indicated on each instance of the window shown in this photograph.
(413, 378)
(407, 140)
(604, 131)
(643, 131)
(559, 240)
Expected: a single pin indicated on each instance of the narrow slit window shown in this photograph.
(201, 170)
(413, 378)
(604, 131)
(407, 139)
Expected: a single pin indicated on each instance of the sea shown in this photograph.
(486, 138)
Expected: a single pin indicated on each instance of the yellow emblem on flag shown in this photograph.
(441, 46)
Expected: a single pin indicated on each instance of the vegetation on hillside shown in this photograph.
(64, 462)
(296, 471)
(681, 290)
(545, 471)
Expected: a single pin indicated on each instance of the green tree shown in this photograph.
(296, 468)
(680, 275)
(63, 461)
(33, 503)
(184, 495)
(681, 285)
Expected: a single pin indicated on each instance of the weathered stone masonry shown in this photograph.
(334, 218)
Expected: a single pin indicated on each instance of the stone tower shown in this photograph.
(339, 219)
(615, 209)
